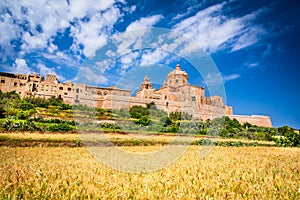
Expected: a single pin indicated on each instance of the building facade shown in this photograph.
(174, 95)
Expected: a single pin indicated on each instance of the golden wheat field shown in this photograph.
(226, 173)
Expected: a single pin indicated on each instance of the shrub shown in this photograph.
(109, 126)
(166, 121)
(60, 127)
(138, 111)
(37, 101)
(290, 139)
(11, 111)
(26, 106)
(2, 112)
(25, 114)
(180, 116)
(11, 125)
(123, 113)
(144, 120)
(205, 142)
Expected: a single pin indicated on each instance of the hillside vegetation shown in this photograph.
(52, 115)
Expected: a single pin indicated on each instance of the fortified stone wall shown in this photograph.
(257, 120)
(175, 95)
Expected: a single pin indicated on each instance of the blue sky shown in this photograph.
(254, 45)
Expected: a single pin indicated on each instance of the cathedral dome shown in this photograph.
(178, 71)
(177, 77)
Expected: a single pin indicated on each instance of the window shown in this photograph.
(66, 93)
(69, 89)
(177, 81)
(2, 81)
(77, 90)
(61, 88)
(15, 84)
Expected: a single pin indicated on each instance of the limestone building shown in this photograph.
(174, 95)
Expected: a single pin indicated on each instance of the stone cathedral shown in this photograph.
(175, 94)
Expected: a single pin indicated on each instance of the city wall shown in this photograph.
(258, 120)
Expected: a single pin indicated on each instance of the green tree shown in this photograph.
(166, 121)
(138, 111)
(144, 120)
(26, 106)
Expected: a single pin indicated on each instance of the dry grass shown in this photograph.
(226, 173)
(116, 137)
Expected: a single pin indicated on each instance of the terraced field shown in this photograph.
(72, 173)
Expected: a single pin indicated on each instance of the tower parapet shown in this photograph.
(146, 84)
(51, 78)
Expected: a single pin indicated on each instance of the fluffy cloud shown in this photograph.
(35, 25)
(93, 33)
(144, 22)
(153, 57)
(90, 76)
(128, 60)
(214, 31)
(133, 37)
(20, 67)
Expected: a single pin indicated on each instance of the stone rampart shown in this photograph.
(258, 120)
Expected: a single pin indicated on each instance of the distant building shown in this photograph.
(174, 95)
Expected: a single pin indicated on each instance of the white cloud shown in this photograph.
(80, 9)
(214, 31)
(230, 77)
(247, 38)
(218, 79)
(252, 65)
(129, 59)
(90, 76)
(35, 24)
(133, 37)
(153, 57)
(8, 32)
(144, 22)
(61, 58)
(129, 10)
(93, 33)
(20, 67)
(103, 65)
